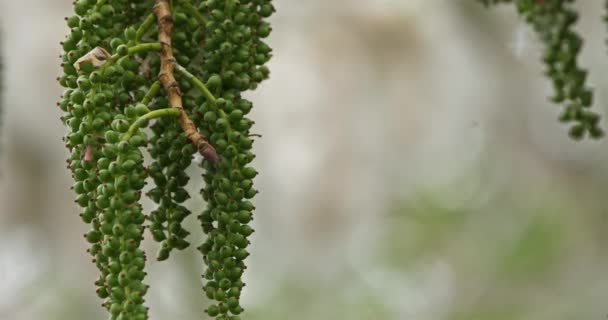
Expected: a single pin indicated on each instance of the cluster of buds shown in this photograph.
(554, 21)
(183, 64)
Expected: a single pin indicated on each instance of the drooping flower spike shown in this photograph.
(553, 21)
(183, 65)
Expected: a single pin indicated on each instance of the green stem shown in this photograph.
(197, 83)
(142, 47)
(144, 27)
(99, 4)
(173, 112)
(151, 93)
(205, 91)
(193, 12)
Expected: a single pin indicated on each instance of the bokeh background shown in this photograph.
(411, 168)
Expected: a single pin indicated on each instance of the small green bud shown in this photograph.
(130, 33)
(141, 109)
(106, 10)
(249, 172)
(93, 236)
(577, 131)
(122, 50)
(213, 310)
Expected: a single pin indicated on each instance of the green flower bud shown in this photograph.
(249, 172)
(213, 310)
(106, 10)
(130, 33)
(93, 236)
(264, 30)
(122, 50)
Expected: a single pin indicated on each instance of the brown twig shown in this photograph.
(167, 79)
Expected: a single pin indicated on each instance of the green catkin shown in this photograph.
(108, 172)
(173, 154)
(106, 105)
(554, 20)
(233, 61)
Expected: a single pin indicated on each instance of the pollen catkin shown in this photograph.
(182, 64)
(232, 62)
(554, 22)
(172, 154)
(108, 171)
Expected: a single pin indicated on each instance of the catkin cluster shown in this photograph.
(233, 61)
(553, 21)
(183, 65)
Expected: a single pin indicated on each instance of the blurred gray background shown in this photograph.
(411, 168)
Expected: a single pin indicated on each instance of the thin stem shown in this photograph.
(142, 47)
(205, 91)
(193, 12)
(151, 93)
(144, 27)
(197, 83)
(99, 4)
(167, 112)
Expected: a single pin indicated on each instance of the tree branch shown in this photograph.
(171, 86)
